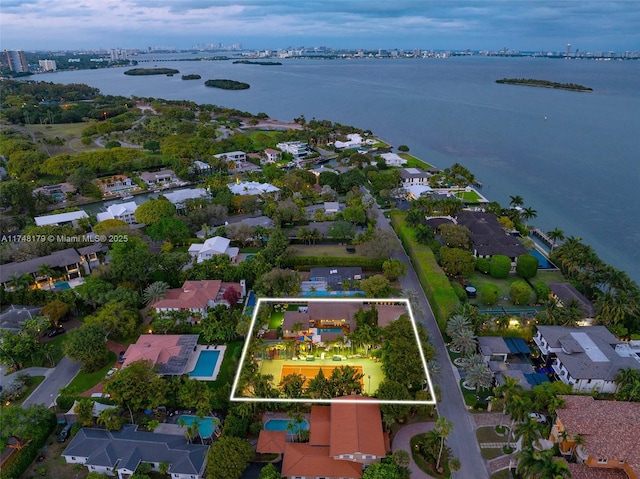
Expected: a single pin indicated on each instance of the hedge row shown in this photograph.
(20, 460)
(441, 295)
(307, 262)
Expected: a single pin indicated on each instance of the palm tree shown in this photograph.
(528, 431)
(541, 465)
(518, 407)
(456, 324)
(443, 428)
(46, 271)
(571, 313)
(516, 201)
(507, 391)
(555, 235)
(465, 342)
(155, 292)
(478, 374)
(529, 213)
(628, 382)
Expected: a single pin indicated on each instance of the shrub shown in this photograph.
(520, 292)
(459, 290)
(499, 266)
(482, 265)
(489, 293)
(542, 291)
(65, 402)
(527, 266)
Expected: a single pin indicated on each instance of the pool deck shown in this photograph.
(191, 364)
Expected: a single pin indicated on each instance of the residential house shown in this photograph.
(158, 178)
(69, 264)
(564, 293)
(354, 140)
(493, 348)
(247, 188)
(197, 296)
(123, 212)
(587, 358)
(271, 156)
(119, 453)
(170, 353)
(13, 318)
(179, 197)
(115, 185)
(202, 168)
(232, 156)
(213, 247)
(609, 430)
(58, 192)
(331, 207)
(344, 438)
(489, 238)
(295, 148)
(61, 219)
(393, 159)
(415, 182)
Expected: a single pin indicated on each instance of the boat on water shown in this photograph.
(126, 196)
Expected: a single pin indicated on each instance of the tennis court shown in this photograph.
(311, 371)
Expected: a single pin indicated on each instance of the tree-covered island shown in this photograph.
(227, 84)
(251, 62)
(151, 71)
(193, 76)
(544, 84)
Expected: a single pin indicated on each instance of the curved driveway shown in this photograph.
(462, 439)
(402, 440)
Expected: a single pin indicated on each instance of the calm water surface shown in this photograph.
(579, 167)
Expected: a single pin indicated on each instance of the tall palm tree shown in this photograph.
(46, 271)
(518, 408)
(529, 213)
(456, 324)
(465, 341)
(516, 201)
(478, 375)
(507, 391)
(571, 313)
(443, 428)
(528, 431)
(555, 235)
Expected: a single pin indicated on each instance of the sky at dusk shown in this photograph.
(593, 25)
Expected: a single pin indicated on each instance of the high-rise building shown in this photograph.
(568, 50)
(48, 65)
(16, 60)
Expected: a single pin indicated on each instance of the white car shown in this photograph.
(537, 417)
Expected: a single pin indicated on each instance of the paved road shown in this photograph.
(462, 439)
(58, 378)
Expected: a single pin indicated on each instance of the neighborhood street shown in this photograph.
(462, 439)
(58, 378)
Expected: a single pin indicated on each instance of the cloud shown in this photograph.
(526, 25)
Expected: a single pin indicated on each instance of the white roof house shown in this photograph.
(178, 197)
(353, 140)
(61, 218)
(252, 188)
(416, 191)
(124, 212)
(393, 159)
(213, 247)
(232, 156)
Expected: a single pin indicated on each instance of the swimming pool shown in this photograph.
(206, 363)
(329, 330)
(543, 262)
(282, 424)
(62, 285)
(206, 424)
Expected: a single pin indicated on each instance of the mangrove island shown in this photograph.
(250, 62)
(544, 84)
(191, 77)
(227, 84)
(151, 71)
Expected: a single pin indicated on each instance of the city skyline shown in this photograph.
(490, 24)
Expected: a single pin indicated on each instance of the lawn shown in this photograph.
(489, 434)
(71, 133)
(413, 162)
(468, 196)
(424, 465)
(491, 452)
(504, 474)
(276, 320)
(85, 381)
(228, 366)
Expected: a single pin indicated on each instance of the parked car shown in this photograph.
(121, 357)
(55, 331)
(537, 417)
(64, 434)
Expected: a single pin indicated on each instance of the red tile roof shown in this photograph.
(192, 295)
(356, 427)
(314, 461)
(271, 442)
(610, 428)
(320, 425)
(582, 471)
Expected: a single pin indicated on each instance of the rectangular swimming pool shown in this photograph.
(543, 262)
(282, 424)
(206, 363)
(206, 424)
(329, 330)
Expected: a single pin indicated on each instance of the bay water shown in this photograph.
(574, 157)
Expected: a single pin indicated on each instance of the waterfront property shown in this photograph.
(250, 188)
(61, 219)
(564, 293)
(119, 453)
(116, 185)
(158, 178)
(123, 212)
(586, 358)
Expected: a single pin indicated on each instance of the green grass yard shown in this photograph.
(413, 162)
(275, 321)
(330, 250)
(85, 381)
(228, 366)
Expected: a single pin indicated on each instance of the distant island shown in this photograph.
(251, 62)
(544, 84)
(151, 71)
(191, 77)
(227, 84)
